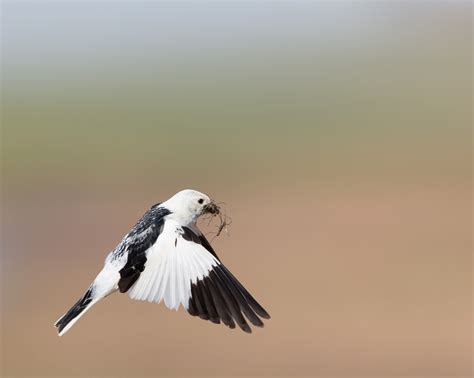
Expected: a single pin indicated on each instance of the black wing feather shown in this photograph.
(209, 303)
(231, 302)
(199, 303)
(248, 297)
(220, 304)
(137, 242)
(244, 306)
(220, 296)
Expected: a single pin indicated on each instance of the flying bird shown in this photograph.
(165, 257)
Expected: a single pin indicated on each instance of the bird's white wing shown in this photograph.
(173, 265)
(182, 269)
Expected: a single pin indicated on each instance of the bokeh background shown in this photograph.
(337, 133)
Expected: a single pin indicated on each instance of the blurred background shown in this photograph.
(337, 133)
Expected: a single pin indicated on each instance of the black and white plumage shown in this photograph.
(165, 257)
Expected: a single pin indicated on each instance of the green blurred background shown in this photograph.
(337, 133)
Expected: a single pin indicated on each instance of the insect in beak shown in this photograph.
(211, 208)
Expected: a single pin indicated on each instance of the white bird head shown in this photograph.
(187, 205)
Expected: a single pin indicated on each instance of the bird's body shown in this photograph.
(166, 257)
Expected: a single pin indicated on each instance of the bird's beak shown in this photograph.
(211, 208)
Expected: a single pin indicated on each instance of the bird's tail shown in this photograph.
(80, 308)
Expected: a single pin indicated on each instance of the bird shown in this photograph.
(165, 257)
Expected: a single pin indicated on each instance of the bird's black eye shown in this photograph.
(201, 200)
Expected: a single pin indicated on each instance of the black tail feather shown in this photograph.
(75, 310)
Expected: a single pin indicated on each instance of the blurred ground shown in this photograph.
(370, 283)
(339, 136)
